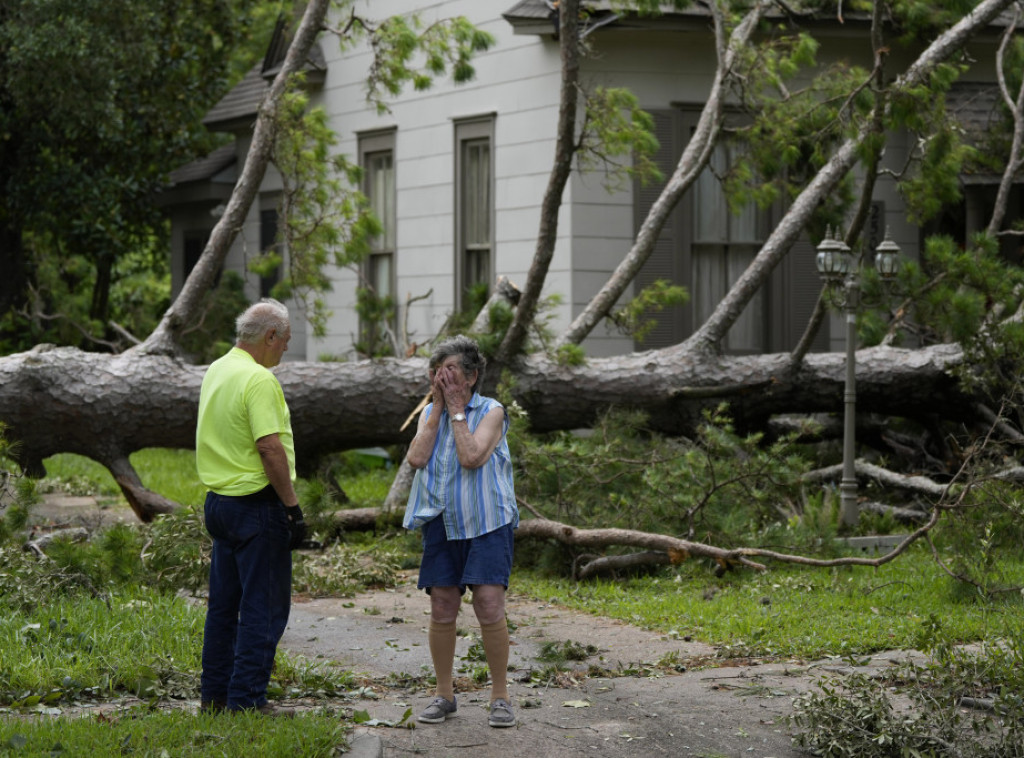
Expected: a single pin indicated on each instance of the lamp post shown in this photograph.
(841, 272)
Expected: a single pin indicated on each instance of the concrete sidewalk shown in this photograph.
(677, 698)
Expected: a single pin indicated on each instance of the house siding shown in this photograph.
(513, 86)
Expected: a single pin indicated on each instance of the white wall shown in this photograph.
(517, 80)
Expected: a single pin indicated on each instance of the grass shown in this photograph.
(149, 644)
(788, 611)
(143, 643)
(171, 473)
(177, 733)
(369, 488)
(794, 612)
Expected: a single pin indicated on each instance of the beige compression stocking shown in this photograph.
(495, 639)
(441, 638)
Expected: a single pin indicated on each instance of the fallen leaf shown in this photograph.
(576, 704)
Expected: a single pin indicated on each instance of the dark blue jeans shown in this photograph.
(250, 596)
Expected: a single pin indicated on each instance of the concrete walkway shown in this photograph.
(639, 694)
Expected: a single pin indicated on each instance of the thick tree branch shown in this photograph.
(707, 338)
(921, 484)
(811, 330)
(547, 235)
(1016, 107)
(694, 159)
(675, 550)
(185, 308)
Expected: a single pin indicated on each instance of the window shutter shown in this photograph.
(663, 262)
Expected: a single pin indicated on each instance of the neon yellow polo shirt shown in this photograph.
(240, 401)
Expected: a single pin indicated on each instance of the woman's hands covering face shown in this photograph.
(450, 387)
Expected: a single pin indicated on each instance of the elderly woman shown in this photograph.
(463, 501)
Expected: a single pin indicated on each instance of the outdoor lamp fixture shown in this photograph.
(840, 272)
(833, 258)
(887, 258)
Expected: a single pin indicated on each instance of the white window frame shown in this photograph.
(474, 207)
(378, 271)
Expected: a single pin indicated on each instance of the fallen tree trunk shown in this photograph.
(56, 400)
(365, 519)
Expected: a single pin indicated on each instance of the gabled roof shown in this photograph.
(978, 109)
(206, 167)
(240, 104)
(976, 106)
(238, 108)
(541, 17)
(207, 180)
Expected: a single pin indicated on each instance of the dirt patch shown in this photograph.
(55, 511)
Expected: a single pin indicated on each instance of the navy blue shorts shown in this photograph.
(486, 559)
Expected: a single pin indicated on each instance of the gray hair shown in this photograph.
(469, 355)
(259, 318)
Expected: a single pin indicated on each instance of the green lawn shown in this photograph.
(797, 611)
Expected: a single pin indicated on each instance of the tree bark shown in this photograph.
(920, 484)
(547, 235)
(675, 550)
(1016, 107)
(692, 162)
(185, 308)
(108, 406)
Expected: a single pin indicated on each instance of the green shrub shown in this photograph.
(721, 486)
(177, 552)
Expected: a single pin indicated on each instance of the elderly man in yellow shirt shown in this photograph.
(246, 459)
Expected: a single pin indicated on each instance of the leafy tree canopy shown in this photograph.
(99, 100)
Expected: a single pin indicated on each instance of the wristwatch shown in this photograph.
(459, 417)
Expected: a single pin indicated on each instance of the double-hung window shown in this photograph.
(474, 183)
(706, 246)
(269, 242)
(377, 159)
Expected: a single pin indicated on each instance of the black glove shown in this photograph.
(297, 527)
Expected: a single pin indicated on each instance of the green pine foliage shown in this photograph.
(966, 296)
(635, 317)
(408, 51)
(618, 135)
(786, 134)
(376, 312)
(91, 127)
(327, 220)
(723, 487)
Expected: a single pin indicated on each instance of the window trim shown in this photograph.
(271, 203)
(466, 130)
(372, 143)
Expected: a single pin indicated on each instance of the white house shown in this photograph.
(457, 173)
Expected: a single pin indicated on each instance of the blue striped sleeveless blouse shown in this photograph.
(471, 501)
